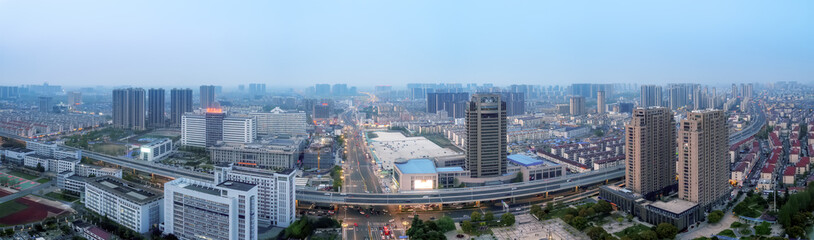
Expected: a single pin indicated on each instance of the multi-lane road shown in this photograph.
(359, 172)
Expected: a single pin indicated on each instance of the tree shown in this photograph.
(507, 219)
(40, 168)
(596, 233)
(549, 207)
(603, 207)
(475, 216)
(666, 230)
(489, 216)
(446, 224)
(579, 223)
(536, 210)
(466, 226)
(648, 235)
(763, 229)
(518, 178)
(715, 216)
(796, 232)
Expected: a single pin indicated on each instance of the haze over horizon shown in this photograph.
(295, 44)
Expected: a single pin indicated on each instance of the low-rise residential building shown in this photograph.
(134, 206)
(156, 150)
(788, 175)
(200, 210)
(276, 191)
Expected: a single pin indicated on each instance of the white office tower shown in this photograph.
(201, 210)
(131, 205)
(276, 203)
(280, 122)
(239, 130)
(193, 130)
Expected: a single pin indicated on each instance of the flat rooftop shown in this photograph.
(417, 166)
(675, 205)
(391, 147)
(127, 190)
(236, 185)
(449, 169)
(524, 160)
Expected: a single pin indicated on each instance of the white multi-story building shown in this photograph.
(276, 205)
(280, 122)
(52, 150)
(193, 130)
(17, 155)
(239, 130)
(86, 170)
(200, 210)
(69, 181)
(156, 150)
(129, 204)
(274, 156)
(50, 164)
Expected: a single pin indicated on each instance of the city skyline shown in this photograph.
(291, 44)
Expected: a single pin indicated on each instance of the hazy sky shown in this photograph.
(297, 43)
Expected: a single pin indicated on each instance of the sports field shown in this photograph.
(18, 183)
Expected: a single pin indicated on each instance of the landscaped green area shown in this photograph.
(43, 180)
(23, 174)
(728, 233)
(10, 207)
(61, 196)
(109, 149)
(752, 206)
(632, 230)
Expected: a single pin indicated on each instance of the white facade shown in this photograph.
(126, 203)
(199, 210)
(193, 130)
(156, 150)
(85, 170)
(281, 122)
(239, 130)
(263, 155)
(17, 155)
(43, 149)
(276, 191)
(50, 164)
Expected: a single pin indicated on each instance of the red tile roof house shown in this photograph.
(788, 175)
(803, 165)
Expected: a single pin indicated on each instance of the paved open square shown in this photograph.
(528, 228)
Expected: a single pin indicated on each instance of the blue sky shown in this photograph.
(298, 43)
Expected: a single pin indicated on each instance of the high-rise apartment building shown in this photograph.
(577, 105)
(589, 90)
(515, 103)
(322, 90)
(276, 191)
(600, 102)
(257, 89)
(200, 210)
(74, 99)
(703, 175)
(9, 92)
(452, 103)
(650, 149)
(486, 136)
(180, 103)
(650, 96)
(155, 107)
(207, 96)
(128, 108)
(44, 104)
(679, 95)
